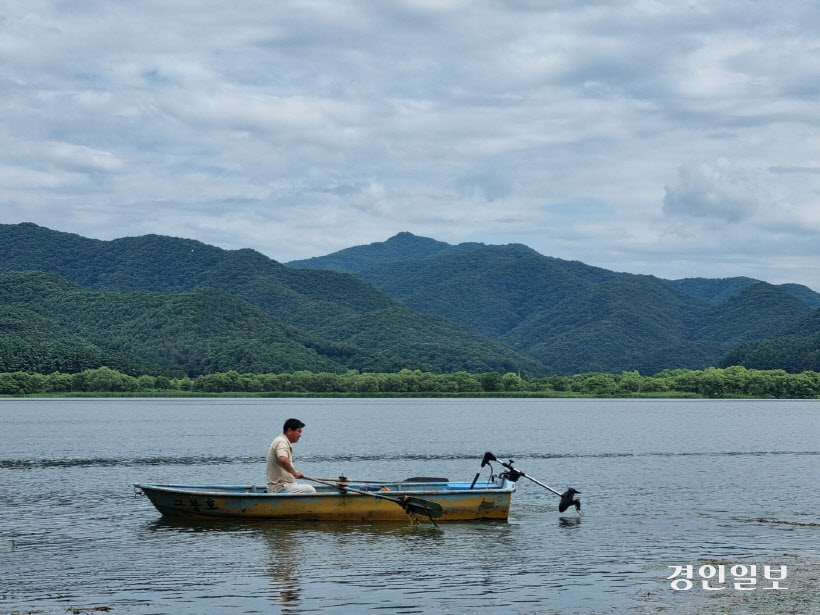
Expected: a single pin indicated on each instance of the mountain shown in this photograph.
(808, 326)
(572, 316)
(713, 290)
(795, 349)
(348, 323)
(718, 290)
(30, 342)
(759, 311)
(793, 354)
(804, 293)
(169, 305)
(201, 331)
(402, 247)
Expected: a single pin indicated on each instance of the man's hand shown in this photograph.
(289, 467)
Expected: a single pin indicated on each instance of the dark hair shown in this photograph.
(292, 424)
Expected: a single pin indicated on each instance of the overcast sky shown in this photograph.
(675, 138)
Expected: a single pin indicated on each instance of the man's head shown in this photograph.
(293, 430)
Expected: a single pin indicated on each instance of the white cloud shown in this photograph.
(569, 126)
(712, 191)
(82, 158)
(14, 177)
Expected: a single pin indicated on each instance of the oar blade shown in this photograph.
(426, 508)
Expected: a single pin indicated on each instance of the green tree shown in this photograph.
(801, 386)
(491, 381)
(366, 383)
(146, 383)
(182, 384)
(105, 379)
(9, 385)
(559, 383)
(629, 382)
(58, 383)
(463, 382)
(712, 383)
(511, 382)
(595, 384)
(651, 384)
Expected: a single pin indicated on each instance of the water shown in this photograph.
(664, 483)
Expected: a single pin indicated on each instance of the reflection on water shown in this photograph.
(351, 556)
(569, 522)
(290, 545)
(286, 592)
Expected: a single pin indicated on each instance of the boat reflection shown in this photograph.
(294, 547)
(283, 541)
(293, 543)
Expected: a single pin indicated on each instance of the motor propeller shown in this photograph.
(568, 499)
(512, 474)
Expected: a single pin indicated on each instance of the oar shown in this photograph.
(410, 504)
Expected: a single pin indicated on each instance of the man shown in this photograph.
(280, 470)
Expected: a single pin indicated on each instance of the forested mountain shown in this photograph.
(760, 311)
(718, 290)
(201, 331)
(574, 317)
(30, 342)
(172, 306)
(796, 350)
(402, 247)
(713, 290)
(342, 321)
(793, 354)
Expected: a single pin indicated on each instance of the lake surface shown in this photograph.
(664, 483)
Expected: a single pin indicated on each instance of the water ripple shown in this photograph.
(190, 460)
(105, 462)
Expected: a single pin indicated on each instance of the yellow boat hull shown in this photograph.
(458, 501)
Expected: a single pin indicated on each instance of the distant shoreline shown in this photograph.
(418, 395)
(712, 383)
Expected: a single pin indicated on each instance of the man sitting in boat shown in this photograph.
(281, 473)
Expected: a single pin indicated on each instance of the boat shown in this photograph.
(344, 500)
(438, 499)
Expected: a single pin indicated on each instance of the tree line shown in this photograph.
(713, 382)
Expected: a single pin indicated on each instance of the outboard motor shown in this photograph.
(512, 474)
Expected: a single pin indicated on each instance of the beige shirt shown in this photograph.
(278, 475)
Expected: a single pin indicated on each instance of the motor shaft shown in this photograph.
(538, 482)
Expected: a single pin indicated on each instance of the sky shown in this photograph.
(678, 139)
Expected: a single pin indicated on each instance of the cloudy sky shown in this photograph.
(673, 138)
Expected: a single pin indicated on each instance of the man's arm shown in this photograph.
(289, 467)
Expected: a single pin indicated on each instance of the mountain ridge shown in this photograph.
(336, 309)
(576, 317)
(412, 302)
(401, 247)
